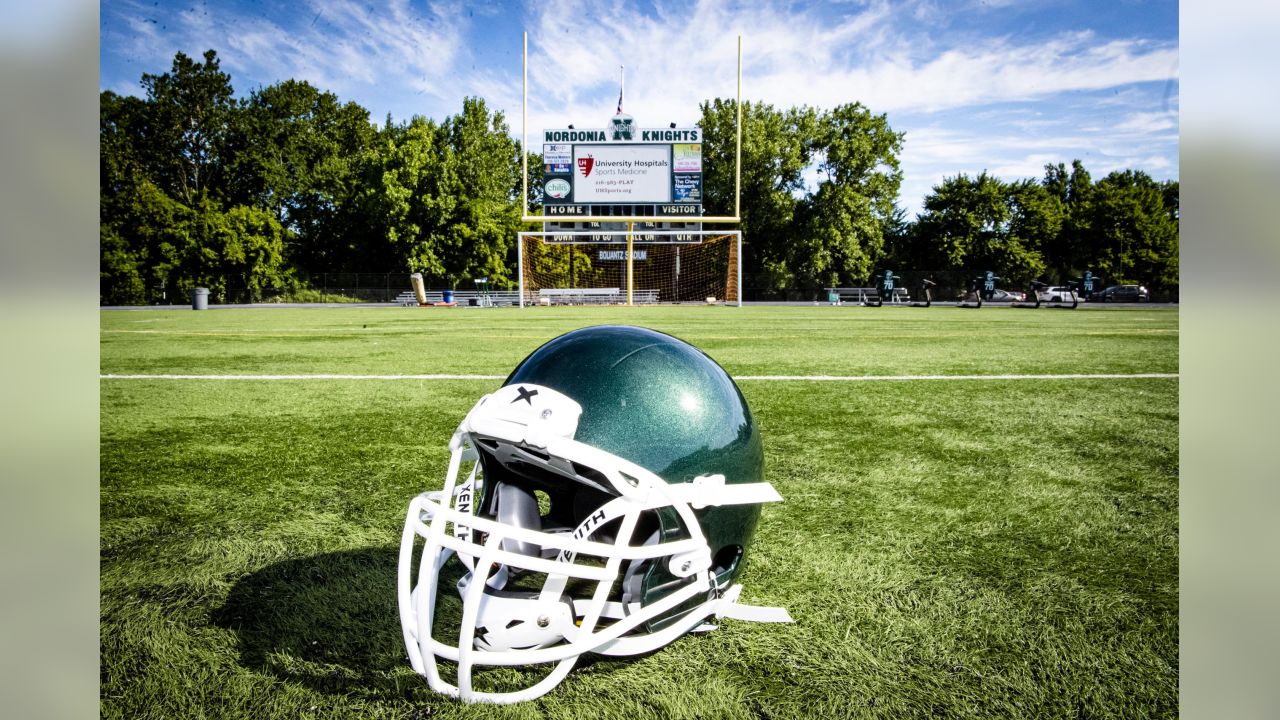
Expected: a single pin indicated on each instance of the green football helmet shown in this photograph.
(602, 500)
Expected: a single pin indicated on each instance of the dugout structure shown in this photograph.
(633, 268)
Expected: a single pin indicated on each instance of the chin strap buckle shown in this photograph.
(707, 490)
(729, 607)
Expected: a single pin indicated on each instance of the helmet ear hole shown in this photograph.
(725, 563)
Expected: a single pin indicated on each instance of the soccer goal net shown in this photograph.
(562, 268)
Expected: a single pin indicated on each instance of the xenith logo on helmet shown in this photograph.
(525, 395)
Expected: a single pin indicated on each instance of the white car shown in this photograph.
(1056, 293)
(1001, 295)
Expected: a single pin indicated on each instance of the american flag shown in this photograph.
(621, 71)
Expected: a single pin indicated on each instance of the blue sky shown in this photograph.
(998, 85)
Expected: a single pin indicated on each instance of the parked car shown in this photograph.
(1056, 293)
(1000, 295)
(1124, 293)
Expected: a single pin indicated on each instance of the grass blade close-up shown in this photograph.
(999, 546)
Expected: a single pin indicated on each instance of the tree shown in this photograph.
(1135, 232)
(478, 238)
(840, 233)
(777, 147)
(1076, 246)
(444, 198)
(233, 251)
(296, 152)
(188, 114)
(1036, 217)
(794, 235)
(974, 224)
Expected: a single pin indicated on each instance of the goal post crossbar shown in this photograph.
(621, 236)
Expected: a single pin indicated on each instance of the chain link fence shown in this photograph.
(386, 288)
(949, 285)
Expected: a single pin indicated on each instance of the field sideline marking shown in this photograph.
(772, 378)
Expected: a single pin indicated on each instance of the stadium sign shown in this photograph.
(607, 135)
(623, 170)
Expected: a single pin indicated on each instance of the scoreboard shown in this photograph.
(623, 171)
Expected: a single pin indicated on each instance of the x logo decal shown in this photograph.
(525, 395)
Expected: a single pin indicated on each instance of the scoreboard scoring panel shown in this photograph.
(649, 172)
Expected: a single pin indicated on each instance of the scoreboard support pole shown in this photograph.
(630, 269)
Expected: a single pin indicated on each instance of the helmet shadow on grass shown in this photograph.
(327, 621)
(330, 622)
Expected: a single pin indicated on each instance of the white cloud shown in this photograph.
(337, 45)
(680, 57)
(1147, 122)
(1006, 103)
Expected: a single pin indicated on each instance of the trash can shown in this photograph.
(200, 299)
(447, 296)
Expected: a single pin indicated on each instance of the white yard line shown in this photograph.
(322, 376)
(875, 378)
(769, 378)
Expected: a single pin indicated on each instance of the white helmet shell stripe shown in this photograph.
(530, 414)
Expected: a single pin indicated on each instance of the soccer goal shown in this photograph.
(574, 268)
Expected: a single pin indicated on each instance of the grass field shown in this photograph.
(966, 548)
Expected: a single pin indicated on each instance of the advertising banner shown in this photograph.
(622, 174)
(688, 188)
(557, 158)
(687, 157)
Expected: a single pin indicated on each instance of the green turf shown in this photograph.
(948, 549)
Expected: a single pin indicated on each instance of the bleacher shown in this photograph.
(545, 296)
(868, 295)
(590, 296)
(462, 297)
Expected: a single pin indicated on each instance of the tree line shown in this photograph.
(251, 197)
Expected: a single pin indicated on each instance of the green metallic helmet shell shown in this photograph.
(661, 403)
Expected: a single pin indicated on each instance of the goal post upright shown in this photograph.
(520, 265)
(631, 256)
(737, 158)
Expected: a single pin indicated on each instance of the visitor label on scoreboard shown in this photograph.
(622, 174)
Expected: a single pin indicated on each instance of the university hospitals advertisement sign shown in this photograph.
(621, 174)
